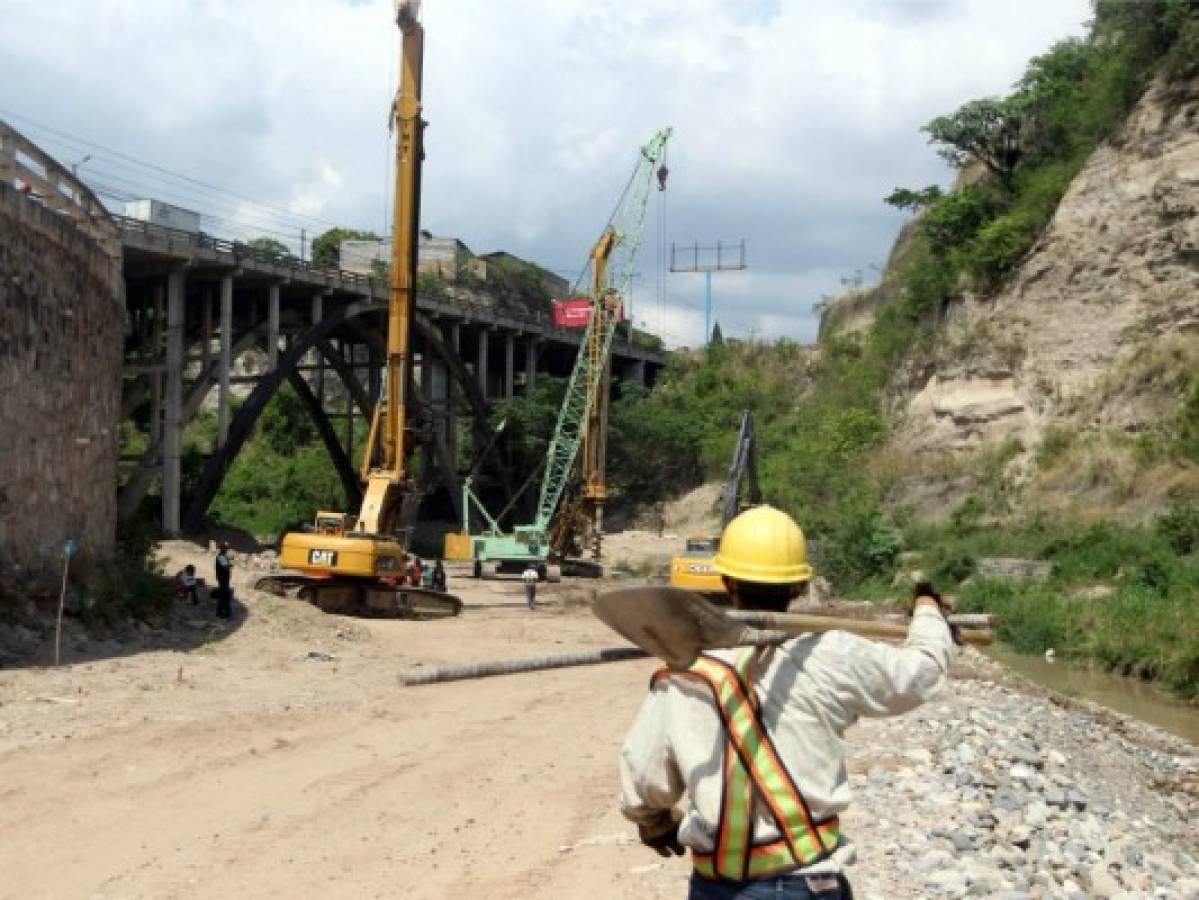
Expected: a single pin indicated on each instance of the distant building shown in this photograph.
(504, 274)
(445, 257)
(364, 257)
(165, 214)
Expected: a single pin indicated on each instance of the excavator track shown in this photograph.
(365, 600)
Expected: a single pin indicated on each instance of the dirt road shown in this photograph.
(248, 767)
(281, 758)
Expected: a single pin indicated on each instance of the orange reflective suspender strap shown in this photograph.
(734, 831)
(752, 765)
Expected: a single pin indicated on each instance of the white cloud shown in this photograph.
(792, 119)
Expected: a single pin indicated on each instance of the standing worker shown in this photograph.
(439, 577)
(530, 577)
(754, 735)
(224, 580)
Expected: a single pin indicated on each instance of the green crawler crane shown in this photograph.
(583, 418)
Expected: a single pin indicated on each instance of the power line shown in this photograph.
(237, 216)
(138, 183)
(92, 145)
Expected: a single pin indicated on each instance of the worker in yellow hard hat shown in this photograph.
(741, 758)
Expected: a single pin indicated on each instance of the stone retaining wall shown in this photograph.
(61, 343)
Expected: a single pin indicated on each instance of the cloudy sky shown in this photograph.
(792, 119)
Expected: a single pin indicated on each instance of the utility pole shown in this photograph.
(723, 256)
(303, 242)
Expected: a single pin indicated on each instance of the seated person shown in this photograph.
(187, 585)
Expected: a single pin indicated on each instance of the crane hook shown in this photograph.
(663, 174)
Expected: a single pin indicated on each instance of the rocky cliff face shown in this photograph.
(1096, 334)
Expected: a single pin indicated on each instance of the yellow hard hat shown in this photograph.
(763, 545)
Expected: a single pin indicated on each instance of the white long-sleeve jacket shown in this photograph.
(811, 690)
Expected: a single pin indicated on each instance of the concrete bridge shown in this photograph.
(196, 303)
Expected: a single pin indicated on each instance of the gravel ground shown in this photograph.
(993, 791)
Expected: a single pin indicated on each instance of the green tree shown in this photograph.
(530, 420)
(269, 246)
(717, 339)
(986, 131)
(956, 218)
(285, 424)
(903, 198)
(326, 247)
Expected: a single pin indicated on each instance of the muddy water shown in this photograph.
(1125, 695)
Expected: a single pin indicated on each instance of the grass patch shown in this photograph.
(1149, 626)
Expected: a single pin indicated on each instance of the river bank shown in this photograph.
(1139, 700)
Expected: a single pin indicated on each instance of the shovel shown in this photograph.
(675, 626)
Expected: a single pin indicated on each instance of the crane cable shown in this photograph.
(661, 237)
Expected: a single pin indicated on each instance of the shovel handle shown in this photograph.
(799, 623)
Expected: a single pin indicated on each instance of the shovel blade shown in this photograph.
(671, 624)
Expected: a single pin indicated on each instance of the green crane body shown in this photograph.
(530, 544)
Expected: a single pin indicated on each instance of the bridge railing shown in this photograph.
(241, 250)
(367, 285)
(36, 174)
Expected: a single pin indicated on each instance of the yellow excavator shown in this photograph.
(357, 565)
(695, 569)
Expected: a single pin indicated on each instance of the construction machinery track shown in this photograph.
(371, 600)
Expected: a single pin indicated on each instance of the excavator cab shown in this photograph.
(701, 546)
(693, 570)
(331, 523)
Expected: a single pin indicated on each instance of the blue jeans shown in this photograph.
(784, 887)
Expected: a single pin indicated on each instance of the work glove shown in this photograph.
(663, 837)
(926, 589)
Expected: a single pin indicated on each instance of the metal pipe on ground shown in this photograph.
(511, 667)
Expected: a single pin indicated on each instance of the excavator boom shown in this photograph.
(694, 569)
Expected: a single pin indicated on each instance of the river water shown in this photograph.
(1138, 699)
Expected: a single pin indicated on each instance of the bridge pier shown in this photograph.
(530, 363)
(349, 411)
(318, 311)
(272, 328)
(206, 330)
(481, 366)
(226, 325)
(156, 372)
(451, 398)
(172, 438)
(639, 371)
(509, 358)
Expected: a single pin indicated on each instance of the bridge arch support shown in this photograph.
(317, 337)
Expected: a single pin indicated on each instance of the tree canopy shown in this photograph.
(269, 246)
(985, 131)
(326, 247)
(905, 198)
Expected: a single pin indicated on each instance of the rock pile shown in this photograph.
(993, 793)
